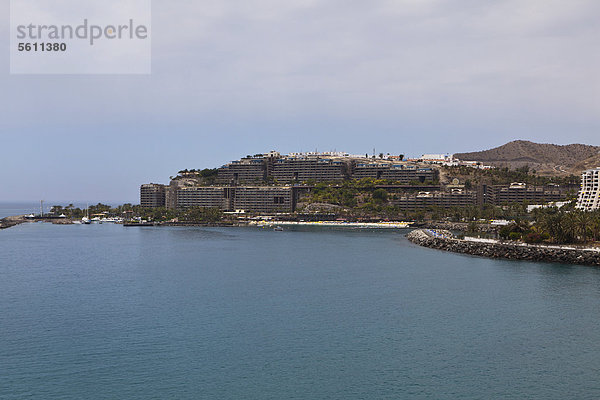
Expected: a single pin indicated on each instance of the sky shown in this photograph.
(231, 78)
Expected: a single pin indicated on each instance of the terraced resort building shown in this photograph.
(272, 183)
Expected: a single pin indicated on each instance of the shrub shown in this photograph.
(380, 195)
(504, 232)
(534, 237)
(514, 236)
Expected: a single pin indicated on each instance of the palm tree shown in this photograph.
(595, 229)
(566, 228)
(582, 224)
(553, 224)
(520, 225)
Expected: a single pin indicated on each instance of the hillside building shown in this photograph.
(245, 170)
(304, 168)
(284, 169)
(319, 167)
(402, 173)
(521, 192)
(264, 199)
(205, 196)
(254, 199)
(424, 200)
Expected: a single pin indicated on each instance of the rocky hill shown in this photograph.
(549, 158)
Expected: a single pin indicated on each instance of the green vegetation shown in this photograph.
(203, 215)
(355, 193)
(207, 175)
(158, 214)
(188, 215)
(380, 195)
(555, 226)
(71, 211)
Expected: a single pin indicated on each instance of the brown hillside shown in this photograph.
(588, 163)
(543, 157)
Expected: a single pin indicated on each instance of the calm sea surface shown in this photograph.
(107, 312)
(11, 209)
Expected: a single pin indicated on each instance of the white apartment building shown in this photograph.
(437, 157)
(589, 194)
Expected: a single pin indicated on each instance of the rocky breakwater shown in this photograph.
(444, 240)
(12, 221)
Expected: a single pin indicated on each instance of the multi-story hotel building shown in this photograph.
(255, 199)
(262, 168)
(422, 200)
(205, 196)
(589, 194)
(319, 167)
(404, 174)
(152, 195)
(263, 199)
(290, 169)
(246, 170)
(521, 192)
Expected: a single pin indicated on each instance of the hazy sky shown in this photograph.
(232, 78)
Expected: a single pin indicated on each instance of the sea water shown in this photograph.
(112, 312)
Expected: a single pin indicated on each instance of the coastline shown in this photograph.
(439, 239)
(16, 220)
(444, 240)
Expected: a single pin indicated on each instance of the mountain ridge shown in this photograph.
(544, 157)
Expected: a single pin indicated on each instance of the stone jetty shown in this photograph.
(12, 221)
(445, 240)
